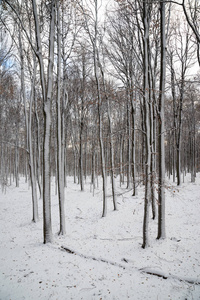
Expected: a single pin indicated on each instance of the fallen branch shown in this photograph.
(92, 258)
(170, 276)
(68, 250)
(148, 271)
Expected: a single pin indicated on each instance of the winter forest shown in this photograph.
(99, 149)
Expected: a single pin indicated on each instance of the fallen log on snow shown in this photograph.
(148, 271)
(169, 276)
(92, 257)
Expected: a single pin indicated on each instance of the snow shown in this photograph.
(108, 262)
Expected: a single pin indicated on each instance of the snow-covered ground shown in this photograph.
(109, 262)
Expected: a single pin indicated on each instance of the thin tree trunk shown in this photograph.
(86, 166)
(128, 146)
(103, 166)
(112, 157)
(60, 154)
(161, 130)
(38, 161)
(147, 129)
(178, 141)
(133, 150)
(193, 150)
(17, 157)
(31, 157)
(81, 150)
(121, 159)
(153, 200)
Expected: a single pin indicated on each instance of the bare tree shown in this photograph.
(47, 87)
(192, 13)
(60, 131)
(145, 18)
(161, 128)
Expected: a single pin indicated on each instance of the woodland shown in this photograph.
(99, 91)
(99, 149)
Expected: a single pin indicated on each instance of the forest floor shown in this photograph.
(106, 259)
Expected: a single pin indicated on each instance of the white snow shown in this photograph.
(109, 261)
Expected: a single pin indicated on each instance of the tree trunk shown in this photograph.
(17, 158)
(112, 157)
(81, 156)
(153, 177)
(38, 161)
(31, 157)
(47, 97)
(193, 143)
(128, 145)
(121, 159)
(161, 130)
(133, 150)
(147, 128)
(60, 154)
(28, 131)
(103, 166)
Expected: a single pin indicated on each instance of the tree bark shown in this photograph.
(147, 128)
(60, 129)
(103, 166)
(31, 156)
(161, 129)
(47, 96)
